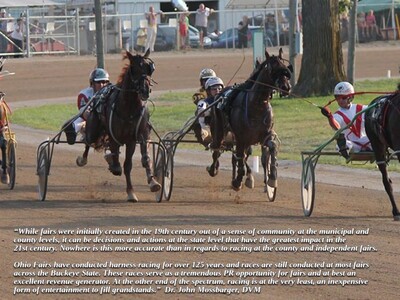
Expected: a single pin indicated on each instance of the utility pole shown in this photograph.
(292, 46)
(351, 55)
(99, 34)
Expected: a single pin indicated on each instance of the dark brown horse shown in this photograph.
(382, 125)
(124, 120)
(250, 117)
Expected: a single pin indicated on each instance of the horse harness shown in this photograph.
(379, 114)
(108, 96)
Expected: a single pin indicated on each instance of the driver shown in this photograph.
(205, 74)
(353, 138)
(98, 79)
(201, 94)
(213, 86)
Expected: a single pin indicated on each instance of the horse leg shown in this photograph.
(213, 169)
(264, 157)
(82, 160)
(387, 182)
(147, 164)
(273, 172)
(249, 175)
(114, 167)
(234, 166)
(129, 151)
(380, 157)
(239, 157)
(217, 128)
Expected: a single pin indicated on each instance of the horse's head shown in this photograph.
(140, 70)
(280, 73)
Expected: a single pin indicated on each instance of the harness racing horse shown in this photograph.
(124, 120)
(250, 119)
(382, 125)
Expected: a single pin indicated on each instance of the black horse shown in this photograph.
(120, 117)
(382, 125)
(250, 118)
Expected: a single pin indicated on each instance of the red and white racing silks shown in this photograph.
(355, 135)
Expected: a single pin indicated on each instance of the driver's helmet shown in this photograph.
(207, 73)
(344, 89)
(99, 74)
(213, 81)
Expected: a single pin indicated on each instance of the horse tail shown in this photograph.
(398, 87)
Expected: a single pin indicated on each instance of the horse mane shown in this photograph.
(123, 71)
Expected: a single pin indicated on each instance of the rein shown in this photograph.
(358, 93)
(265, 84)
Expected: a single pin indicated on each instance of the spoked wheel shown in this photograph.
(169, 174)
(11, 164)
(269, 190)
(159, 167)
(308, 187)
(42, 171)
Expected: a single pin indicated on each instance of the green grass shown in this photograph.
(47, 117)
(299, 123)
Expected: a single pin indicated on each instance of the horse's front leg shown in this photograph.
(129, 151)
(240, 161)
(147, 164)
(272, 156)
(113, 160)
(249, 175)
(82, 160)
(213, 169)
(387, 182)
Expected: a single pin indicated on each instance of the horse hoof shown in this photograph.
(154, 186)
(132, 198)
(115, 170)
(272, 183)
(236, 186)
(212, 172)
(250, 182)
(81, 161)
(396, 218)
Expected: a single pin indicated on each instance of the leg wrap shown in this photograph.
(145, 161)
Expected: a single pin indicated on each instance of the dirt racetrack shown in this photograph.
(91, 197)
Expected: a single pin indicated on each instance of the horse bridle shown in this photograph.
(144, 82)
(287, 70)
(276, 74)
(282, 70)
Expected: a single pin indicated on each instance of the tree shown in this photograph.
(322, 61)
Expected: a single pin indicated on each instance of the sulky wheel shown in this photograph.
(159, 167)
(307, 187)
(11, 164)
(42, 171)
(169, 174)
